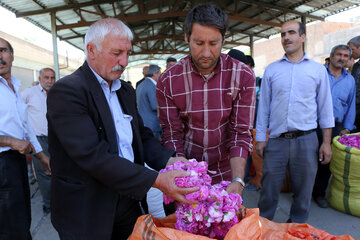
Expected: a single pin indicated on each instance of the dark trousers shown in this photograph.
(15, 213)
(43, 179)
(357, 119)
(127, 212)
(301, 155)
(323, 173)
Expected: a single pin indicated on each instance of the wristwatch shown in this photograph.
(239, 180)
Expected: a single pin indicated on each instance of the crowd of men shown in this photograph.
(97, 132)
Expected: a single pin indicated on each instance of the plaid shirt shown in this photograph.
(208, 118)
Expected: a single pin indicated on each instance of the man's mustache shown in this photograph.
(118, 68)
(49, 85)
(2, 62)
(341, 61)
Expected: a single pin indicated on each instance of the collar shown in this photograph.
(343, 71)
(14, 81)
(216, 70)
(305, 57)
(152, 80)
(41, 88)
(116, 84)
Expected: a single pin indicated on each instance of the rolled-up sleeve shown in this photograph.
(263, 112)
(169, 119)
(242, 117)
(324, 101)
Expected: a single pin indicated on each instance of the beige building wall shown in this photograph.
(320, 38)
(30, 58)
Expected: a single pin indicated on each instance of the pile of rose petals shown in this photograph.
(214, 210)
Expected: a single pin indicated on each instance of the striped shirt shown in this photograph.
(208, 118)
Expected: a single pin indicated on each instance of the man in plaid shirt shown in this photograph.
(207, 100)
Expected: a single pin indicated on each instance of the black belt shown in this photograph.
(295, 134)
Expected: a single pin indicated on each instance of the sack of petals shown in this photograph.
(352, 140)
(215, 210)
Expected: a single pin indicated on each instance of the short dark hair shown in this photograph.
(342, 47)
(250, 61)
(206, 14)
(152, 69)
(11, 49)
(171, 59)
(302, 28)
(238, 55)
(355, 41)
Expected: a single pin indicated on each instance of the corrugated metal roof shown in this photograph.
(157, 24)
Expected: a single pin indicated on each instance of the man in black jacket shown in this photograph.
(98, 144)
(354, 44)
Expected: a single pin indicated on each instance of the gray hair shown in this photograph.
(98, 30)
(152, 69)
(355, 41)
(46, 68)
(342, 47)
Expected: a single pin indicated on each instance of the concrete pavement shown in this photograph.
(327, 219)
(330, 220)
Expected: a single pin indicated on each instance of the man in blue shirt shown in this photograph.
(343, 94)
(294, 98)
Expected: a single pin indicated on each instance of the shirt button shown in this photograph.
(206, 103)
(206, 127)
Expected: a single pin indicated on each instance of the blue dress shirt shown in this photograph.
(294, 96)
(344, 98)
(122, 122)
(13, 115)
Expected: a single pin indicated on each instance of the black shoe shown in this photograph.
(46, 210)
(321, 202)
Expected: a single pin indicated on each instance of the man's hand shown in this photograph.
(238, 165)
(325, 148)
(260, 146)
(22, 146)
(235, 187)
(173, 160)
(325, 153)
(45, 161)
(343, 132)
(166, 183)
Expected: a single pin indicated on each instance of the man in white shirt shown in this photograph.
(16, 139)
(35, 98)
